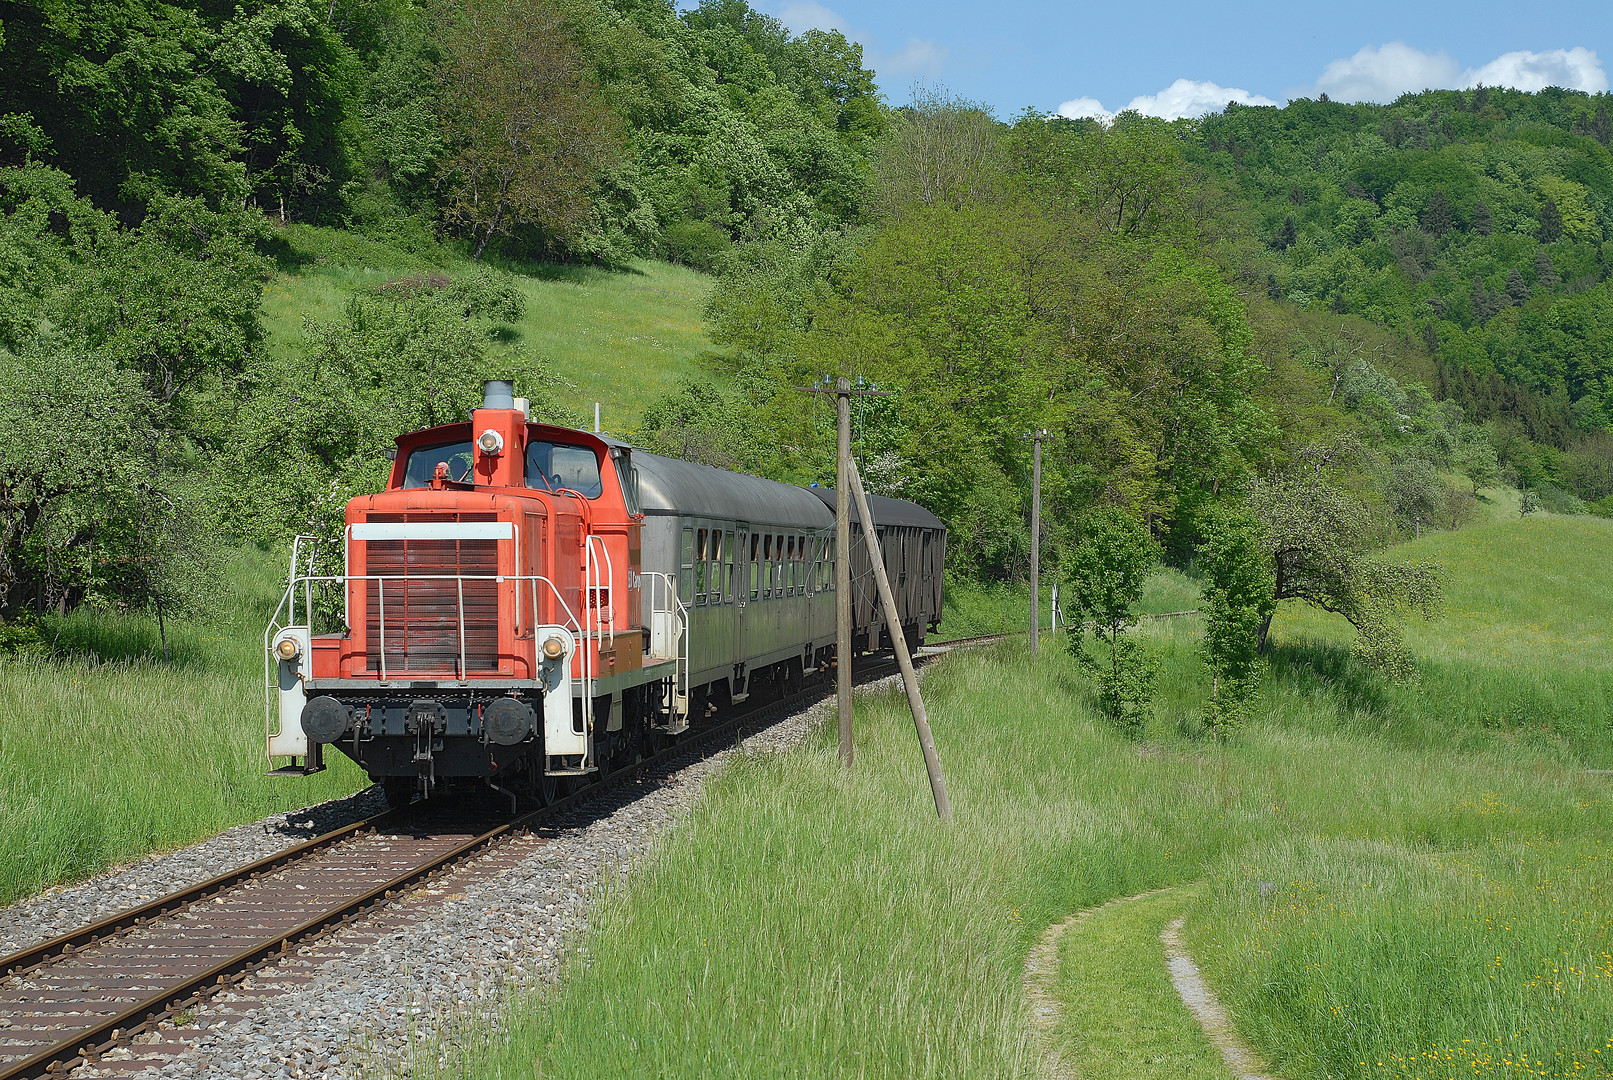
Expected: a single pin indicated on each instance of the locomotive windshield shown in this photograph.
(460, 456)
(552, 466)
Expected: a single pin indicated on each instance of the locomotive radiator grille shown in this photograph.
(422, 604)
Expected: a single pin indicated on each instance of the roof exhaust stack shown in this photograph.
(498, 394)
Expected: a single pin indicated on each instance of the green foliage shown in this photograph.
(1477, 220)
(1239, 597)
(986, 303)
(525, 131)
(1106, 573)
(1317, 536)
(110, 342)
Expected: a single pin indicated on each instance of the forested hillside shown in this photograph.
(1411, 300)
(1474, 221)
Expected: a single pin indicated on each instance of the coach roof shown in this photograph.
(886, 511)
(668, 486)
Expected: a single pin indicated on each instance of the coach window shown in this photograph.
(801, 562)
(686, 578)
(728, 568)
(702, 575)
(789, 565)
(714, 578)
(755, 565)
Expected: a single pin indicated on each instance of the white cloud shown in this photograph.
(1084, 108)
(1182, 98)
(1190, 97)
(1384, 73)
(803, 15)
(918, 57)
(1573, 69)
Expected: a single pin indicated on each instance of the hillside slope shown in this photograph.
(619, 337)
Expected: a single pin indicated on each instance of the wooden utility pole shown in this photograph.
(915, 701)
(1036, 438)
(843, 567)
(843, 394)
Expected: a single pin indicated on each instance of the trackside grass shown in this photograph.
(809, 923)
(107, 753)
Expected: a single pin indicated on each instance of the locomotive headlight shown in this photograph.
(491, 442)
(287, 648)
(554, 648)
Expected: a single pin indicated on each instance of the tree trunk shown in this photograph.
(492, 225)
(1265, 635)
(162, 631)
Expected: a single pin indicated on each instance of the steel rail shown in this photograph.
(19, 963)
(86, 1045)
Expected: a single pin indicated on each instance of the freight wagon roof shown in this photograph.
(670, 486)
(886, 511)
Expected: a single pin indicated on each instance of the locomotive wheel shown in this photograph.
(546, 789)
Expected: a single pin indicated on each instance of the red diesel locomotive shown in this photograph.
(526, 603)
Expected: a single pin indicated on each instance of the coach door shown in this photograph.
(744, 610)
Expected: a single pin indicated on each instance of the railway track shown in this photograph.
(68, 1001)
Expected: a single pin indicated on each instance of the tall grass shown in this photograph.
(107, 752)
(811, 922)
(974, 609)
(622, 337)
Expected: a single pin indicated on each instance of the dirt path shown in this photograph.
(1042, 972)
(1041, 976)
(1206, 1007)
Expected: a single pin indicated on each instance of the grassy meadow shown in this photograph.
(619, 337)
(1386, 880)
(108, 753)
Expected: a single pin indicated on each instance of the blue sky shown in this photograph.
(1173, 58)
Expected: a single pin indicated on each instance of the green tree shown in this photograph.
(940, 150)
(1475, 457)
(1550, 227)
(1317, 537)
(527, 133)
(1240, 594)
(1106, 572)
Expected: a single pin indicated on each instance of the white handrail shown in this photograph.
(610, 578)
